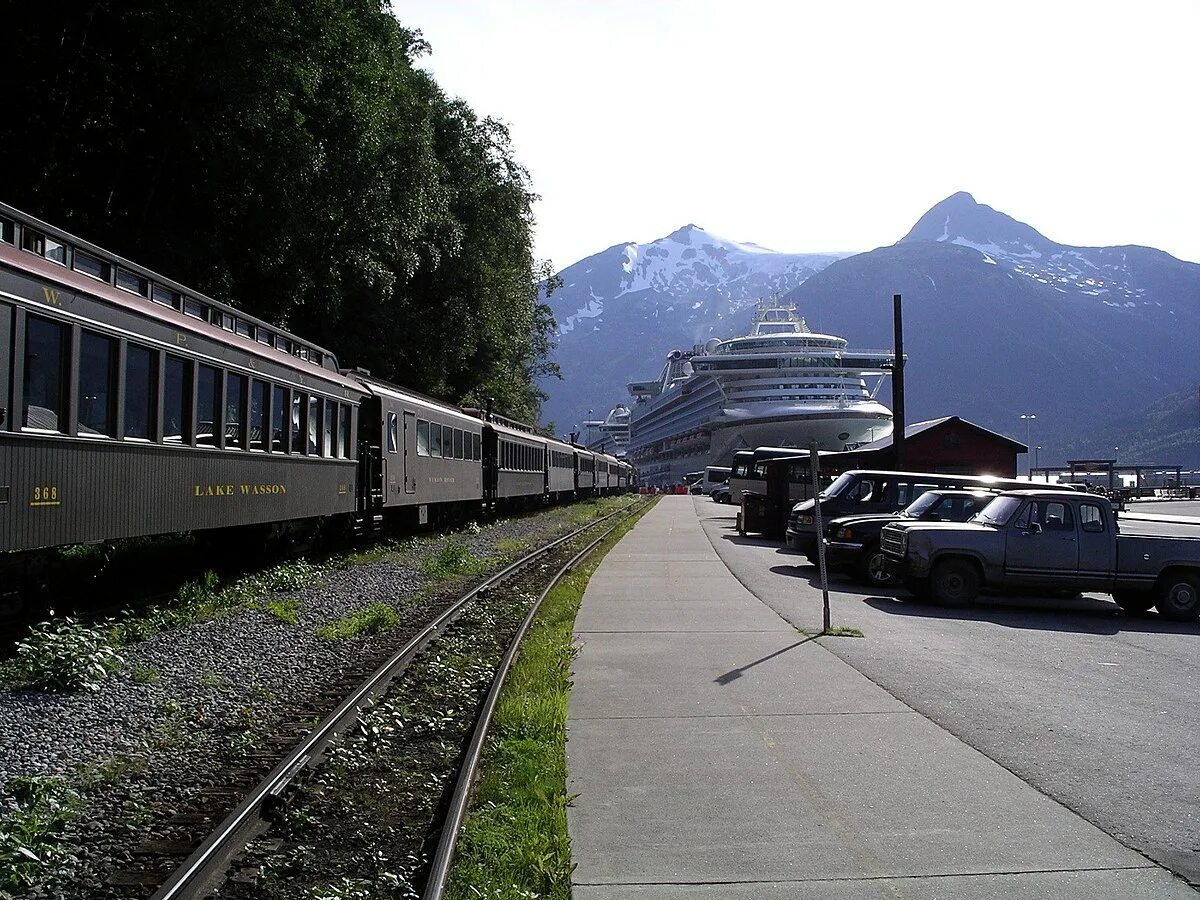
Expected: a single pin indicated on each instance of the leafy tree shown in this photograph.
(289, 157)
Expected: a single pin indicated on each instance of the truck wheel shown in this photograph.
(954, 582)
(1177, 596)
(1134, 601)
(870, 568)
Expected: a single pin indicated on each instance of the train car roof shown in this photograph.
(396, 392)
(14, 255)
(522, 433)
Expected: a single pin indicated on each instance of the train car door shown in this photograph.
(410, 435)
(7, 355)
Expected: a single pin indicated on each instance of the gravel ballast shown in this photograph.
(192, 703)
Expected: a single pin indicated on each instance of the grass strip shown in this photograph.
(514, 843)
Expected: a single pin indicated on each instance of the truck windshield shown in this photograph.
(843, 482)
(999, 511)
(922, 505)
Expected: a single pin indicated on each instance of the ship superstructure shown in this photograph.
(781, 385)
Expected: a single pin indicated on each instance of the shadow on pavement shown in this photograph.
(1083, 615)
(734, 674)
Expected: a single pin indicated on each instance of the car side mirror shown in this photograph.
(1034, 528)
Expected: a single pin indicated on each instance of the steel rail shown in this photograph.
(443, 858)
(193, 876)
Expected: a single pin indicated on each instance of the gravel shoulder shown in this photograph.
(191, 702)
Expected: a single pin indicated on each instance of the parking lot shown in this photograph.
(1094, 707)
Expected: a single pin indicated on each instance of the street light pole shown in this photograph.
(1028, 417)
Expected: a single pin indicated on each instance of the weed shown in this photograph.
(370, 619)
(453, 558)
(110, 770)
(840, 631)
(284, 609)
(66, 655)
(144, 674)
(32, 849)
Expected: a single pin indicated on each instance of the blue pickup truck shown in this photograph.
(1051, 540)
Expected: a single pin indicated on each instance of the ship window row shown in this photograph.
(446, 442)
(815, 343)
(160, 397)
(86, 263)
(516, 457)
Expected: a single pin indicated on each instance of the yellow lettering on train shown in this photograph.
(51, 296)
(180, 339)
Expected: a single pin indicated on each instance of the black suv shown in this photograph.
(852, 542)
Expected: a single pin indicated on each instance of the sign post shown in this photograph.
(815, 465)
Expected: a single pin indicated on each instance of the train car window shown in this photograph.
(458, 443)
(177, 392)
(393, 443)
(435, 439)
(343, 447)
(55, 252)
(90, 265)
(475, 447)
(314, 423)
(422, 437)
(208, 406)
(141, 393)
(165, 296)
(193, 308)
(6, 230)
(32, 241)
(45, 374)
(279, 404)
(327, 433)
(235, 411)
(314, 356)
(225, 320)
(132, 282)
(258, 414)
(299, 408)
(242, 327)
(265, 337)
(97, 372)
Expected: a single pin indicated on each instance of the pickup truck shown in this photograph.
(1051, 540)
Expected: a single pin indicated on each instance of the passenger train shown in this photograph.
(132, 406)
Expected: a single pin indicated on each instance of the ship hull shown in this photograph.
(832, 430)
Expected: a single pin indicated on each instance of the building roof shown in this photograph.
(916, 428)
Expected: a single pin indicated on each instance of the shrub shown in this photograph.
(65, 654)
(32, 847)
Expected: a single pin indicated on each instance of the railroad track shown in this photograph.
(207, 865)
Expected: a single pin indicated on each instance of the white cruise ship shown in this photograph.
(610, 434)
(782, 385)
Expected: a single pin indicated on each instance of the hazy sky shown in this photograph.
(811, 126)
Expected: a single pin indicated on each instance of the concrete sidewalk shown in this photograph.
(718, 752)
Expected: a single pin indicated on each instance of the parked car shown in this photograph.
(878, 491)
(1052, 540)
(852, 542)
(720, 494)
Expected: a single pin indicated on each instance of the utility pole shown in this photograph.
(898, 385)
(815, 463)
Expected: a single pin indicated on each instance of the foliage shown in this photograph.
(32, 848)
(64, 654)
(453, 558)
(370, 619)
(515, 842)
(288, 156)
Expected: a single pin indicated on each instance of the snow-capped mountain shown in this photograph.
(622, 310)
(1000, 321)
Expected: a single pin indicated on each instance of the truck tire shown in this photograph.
(1134, 601)
(1177, 596)
(870, 570)
(954, 582)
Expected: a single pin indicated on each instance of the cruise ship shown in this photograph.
(610, 434)
(781, 385)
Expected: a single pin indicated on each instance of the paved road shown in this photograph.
(1097, 709)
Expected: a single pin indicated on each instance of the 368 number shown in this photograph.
(43, 493)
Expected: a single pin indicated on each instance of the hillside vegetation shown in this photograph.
(287, 156)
